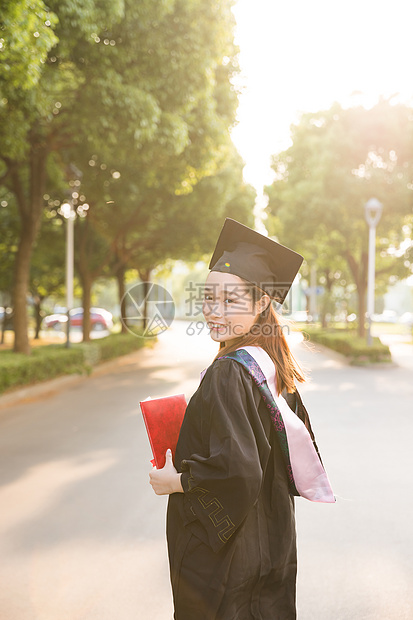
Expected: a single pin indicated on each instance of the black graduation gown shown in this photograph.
(231, 534)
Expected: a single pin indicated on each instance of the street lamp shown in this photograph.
(69, 214)
(373, 209)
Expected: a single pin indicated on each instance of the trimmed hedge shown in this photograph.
(44, 363)
(50, 361)
(349, 344)
(116, 345)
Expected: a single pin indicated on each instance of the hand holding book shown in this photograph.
(166, 480)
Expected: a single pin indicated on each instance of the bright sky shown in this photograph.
(302, 55)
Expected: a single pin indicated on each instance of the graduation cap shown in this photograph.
(261, 261)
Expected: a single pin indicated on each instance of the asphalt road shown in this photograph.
(82, 534)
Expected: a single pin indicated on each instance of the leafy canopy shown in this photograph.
(338, 160)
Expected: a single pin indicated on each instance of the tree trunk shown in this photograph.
(3, 325)
(30, 212)
(120, 277)
(86, 300)
(20, 291)
(145, 305)
(361, 292)
(323, 317)
(37, 315)
(359, 272)
(326, 305)
(90, 262)
(144, 275)
(82, 257)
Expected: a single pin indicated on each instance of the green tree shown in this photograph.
(182, 226)
(129, 80)
(47, 268)
(31, 126)
(9, 234)
(134, 188)
(340, 158)
(26, 36)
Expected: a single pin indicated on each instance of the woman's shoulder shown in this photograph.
(225, 383)
(223, 364)
(224, 369)
(255, 360)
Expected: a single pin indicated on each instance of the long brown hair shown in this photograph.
(267, 333)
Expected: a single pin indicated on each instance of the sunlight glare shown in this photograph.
(302, 55)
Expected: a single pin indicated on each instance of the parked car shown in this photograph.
(6, 318)
(300, 316)
(406, 318)
(99, 319)
(387, 316)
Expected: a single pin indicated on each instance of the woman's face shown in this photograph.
(228, 307)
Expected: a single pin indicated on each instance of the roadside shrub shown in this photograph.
(350, 345)
(44, 363)
(120, 344)
(50, 361)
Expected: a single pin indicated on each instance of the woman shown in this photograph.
(230, 523)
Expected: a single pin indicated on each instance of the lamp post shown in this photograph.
(373, 209)
(69, 214)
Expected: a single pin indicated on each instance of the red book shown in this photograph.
(163, 419)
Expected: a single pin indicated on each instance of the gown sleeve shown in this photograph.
(223, 476)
